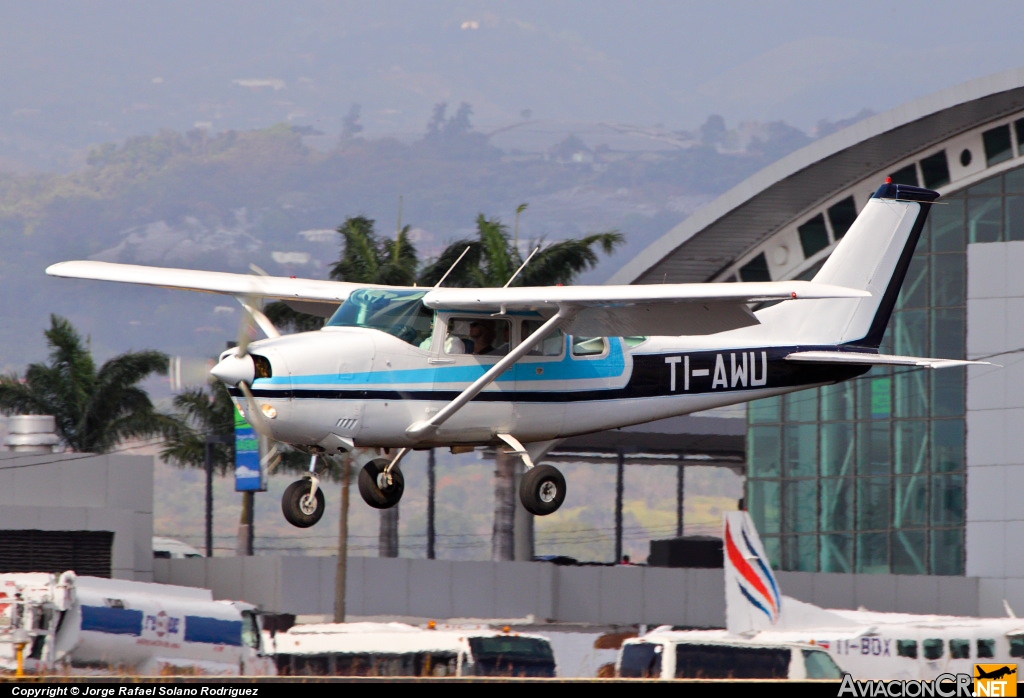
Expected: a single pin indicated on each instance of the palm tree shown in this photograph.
(365, 258)
(202, 415)
(491, 260)
(95, 410)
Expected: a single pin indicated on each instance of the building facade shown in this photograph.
(897, 471)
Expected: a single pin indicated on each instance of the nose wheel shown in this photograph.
(301, 506)
(379, 487)
(542, 490)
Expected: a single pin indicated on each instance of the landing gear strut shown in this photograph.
(303, 502)
(542, 490)
(381, 483)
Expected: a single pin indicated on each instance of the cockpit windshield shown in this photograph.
(399, 313)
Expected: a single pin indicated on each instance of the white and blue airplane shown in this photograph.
(399, 368)
(866, 644)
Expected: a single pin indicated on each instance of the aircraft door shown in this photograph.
(464, 349)
(540, 383)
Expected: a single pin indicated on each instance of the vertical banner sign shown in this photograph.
(248, 473)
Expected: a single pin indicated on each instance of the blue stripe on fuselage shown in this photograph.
(612, 365)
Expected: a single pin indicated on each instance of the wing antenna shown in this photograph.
(522, 266)
(455, 264)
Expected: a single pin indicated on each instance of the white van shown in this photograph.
(397, 649)
(665, 653)
(166, 548)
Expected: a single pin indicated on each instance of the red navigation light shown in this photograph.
(888, 180)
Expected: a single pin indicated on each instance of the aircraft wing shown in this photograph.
(308, 295)
(655, 309)
(868, 359)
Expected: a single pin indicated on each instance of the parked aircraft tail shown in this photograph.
(753, 598)
(873, 256)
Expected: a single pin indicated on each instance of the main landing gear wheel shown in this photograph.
(380, 490)
(542, 490)
(300, 509)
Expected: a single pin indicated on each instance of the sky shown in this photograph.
(81, 73)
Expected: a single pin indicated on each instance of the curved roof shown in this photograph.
(714, 236)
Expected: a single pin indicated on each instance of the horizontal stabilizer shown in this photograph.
(868, 359)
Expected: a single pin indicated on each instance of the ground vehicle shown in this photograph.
(168, 548)
(397, 649)
(707, 654)
(93, 624)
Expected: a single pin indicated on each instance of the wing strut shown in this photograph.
(423, 429)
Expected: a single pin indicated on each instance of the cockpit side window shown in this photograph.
(551, 345)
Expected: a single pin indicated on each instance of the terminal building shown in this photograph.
(901, 472)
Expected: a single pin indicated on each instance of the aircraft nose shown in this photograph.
(232, 369)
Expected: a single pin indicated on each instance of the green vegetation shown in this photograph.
(95, 410)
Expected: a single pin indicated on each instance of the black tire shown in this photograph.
(295, 504)
(372, 493)
(542, 490)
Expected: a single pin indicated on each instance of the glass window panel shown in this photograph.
(756, 269)
(990, 187)
(837, 401)
(1013, 181)
(841, 215)
(813, 235)
(905, 175)
(763, 504)
(947, 445)
(871, 394)
(914, 293)
(1014, 218)
(948, 333)
(910, 393)
(873, 503)
(837, 553)
(767, 410)
(800, 453)
(872, 553)
(910, 502)
(773, 549)
(873, 456)
(765, 449)
(948, 391)
(998, 147)
(986, 648)
(800, 553)
(800, 506)
(959, 648)
(910, 444)
(802, 406)
(948, 277)
(947, 551)
(947, 500)
(984, 219)
(836, 504)
(837, 449)
(908, 552)
(935, 170)
(947, 225)
(910, 332)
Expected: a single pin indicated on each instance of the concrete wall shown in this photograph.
(84, 492)
(995, 423)
(438, 589)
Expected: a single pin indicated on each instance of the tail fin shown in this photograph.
(873, 256)
(753, 600)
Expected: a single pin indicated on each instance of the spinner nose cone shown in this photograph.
(233, 369)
